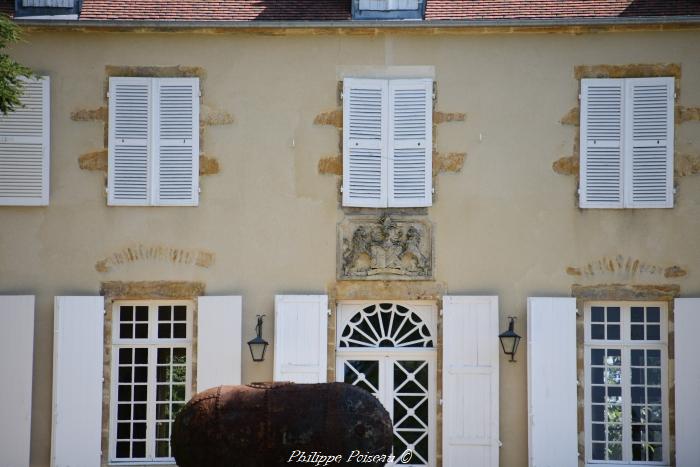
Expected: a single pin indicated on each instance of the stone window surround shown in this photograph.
(626, 293)
(149, 290)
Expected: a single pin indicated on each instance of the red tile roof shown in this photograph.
(339, 10)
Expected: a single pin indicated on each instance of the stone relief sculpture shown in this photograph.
(385, 248)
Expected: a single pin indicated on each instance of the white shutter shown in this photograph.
(602, 108)
(687, 370)
(17, 350)
(129, 136)
(301, 338)
(24, 147)
(470, 381)
(365, 142)
(218, 341)
(649, 142)
(410, 164)
(77, 381)
(551, 382)
(176, 141)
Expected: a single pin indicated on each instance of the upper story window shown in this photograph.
(626, 374)
(151, 377)
(627, 143)
(387, 142)
(153, 142)
(24, 148)
(388, 9)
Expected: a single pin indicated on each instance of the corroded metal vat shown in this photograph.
(281, 424)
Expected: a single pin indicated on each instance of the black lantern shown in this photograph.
(510, 340)
(258, 345)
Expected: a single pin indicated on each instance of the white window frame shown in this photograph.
(153, 179)
(625, 344)
(626, 147)
(153, 343)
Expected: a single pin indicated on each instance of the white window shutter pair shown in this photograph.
(78, 368)
(387, 142)
(627, 143)
(301, 338)
(470, 381)
(17, 350)
(25, 146)
(153, 141)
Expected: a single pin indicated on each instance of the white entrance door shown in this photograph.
(388, 350)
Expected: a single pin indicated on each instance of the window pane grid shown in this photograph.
(150, 381)
(626, 415)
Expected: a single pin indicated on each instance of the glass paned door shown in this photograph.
(404, 383)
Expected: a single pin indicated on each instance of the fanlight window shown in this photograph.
(386, 325)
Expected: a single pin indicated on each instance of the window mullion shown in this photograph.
(150, 406)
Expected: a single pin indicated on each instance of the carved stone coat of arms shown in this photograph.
(385, 248)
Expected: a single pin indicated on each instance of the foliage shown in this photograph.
(11, 72)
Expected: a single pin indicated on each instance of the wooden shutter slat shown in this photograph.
(687, 380)
(649, 142)
(77, 381)
(177, 141)
(410, 143)
(470, 381)
(129, 135)
(364, 142)
(218, 341)
(17, 349)
(24, 147)
(551, 378)
(602, 107)
(301, 338)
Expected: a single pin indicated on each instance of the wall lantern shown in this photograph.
(510, 340)
(258, 345)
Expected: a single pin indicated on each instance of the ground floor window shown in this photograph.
(626, 383)
(150, 378)
(388, 349)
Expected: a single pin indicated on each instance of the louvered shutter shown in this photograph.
(16, 363)
(77, 381)
(602, 107)
(551, 382)
(649, 142)
(129, 141)
(24, 147)
(687, 381)
(218, 341)
(470, 381)
(301, 338)
(410, 164)
(365, 108)
(176, 141)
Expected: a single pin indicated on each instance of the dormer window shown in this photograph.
(388, 9)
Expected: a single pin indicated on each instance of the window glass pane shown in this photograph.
(139, 449)
(164, 356)
(597, 375)
(613, 332)
(653, 357)
(598, 432)
(123, 450)
(598, 413)
(597, 356)
(653, 332)
(139, 431)
(637, 314)
(164, 331)
(126, 313)
(637, 332)
(598, 451)
(638, 453)
(126, 331)
(597, 331)
(164, 313)
(653, 314)
(614, 451)
(597, 315)
(141, 331)
(654, 452)
(637, 357)
(180, 313)
(179, 331)
(613, 314)
(141, 356)
(125, 356)
(142, 313)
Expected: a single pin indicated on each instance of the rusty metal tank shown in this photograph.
(266, 424)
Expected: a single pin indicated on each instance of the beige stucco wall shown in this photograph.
(506, 225)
